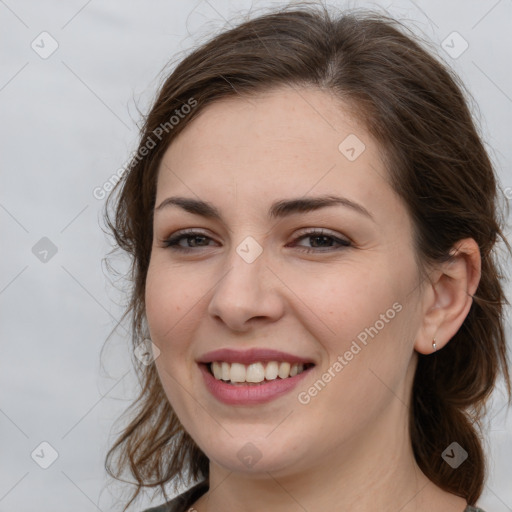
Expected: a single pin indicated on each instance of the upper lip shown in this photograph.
(252, 355)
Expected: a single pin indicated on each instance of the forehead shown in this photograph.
(282, 142)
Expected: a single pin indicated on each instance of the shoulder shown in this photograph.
(473, 509)
(182, 502)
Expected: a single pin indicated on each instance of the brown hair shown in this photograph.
(414, 106)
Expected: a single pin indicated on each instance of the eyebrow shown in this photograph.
(278, 209)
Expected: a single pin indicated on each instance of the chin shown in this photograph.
(253, 454)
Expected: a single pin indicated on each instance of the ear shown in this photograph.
(449, 295)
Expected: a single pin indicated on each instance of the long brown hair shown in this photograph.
(415, 107)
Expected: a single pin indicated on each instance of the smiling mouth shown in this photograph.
(257, 373)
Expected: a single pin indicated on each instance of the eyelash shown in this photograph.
(172, 242)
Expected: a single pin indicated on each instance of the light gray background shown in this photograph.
(68, 124)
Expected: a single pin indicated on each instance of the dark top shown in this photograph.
(184, 501)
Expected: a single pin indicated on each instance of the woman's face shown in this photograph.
(343, 300)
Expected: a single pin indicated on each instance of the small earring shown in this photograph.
(434, 345)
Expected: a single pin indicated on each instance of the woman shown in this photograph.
(312, 218)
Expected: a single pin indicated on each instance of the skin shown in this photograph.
(348, 448)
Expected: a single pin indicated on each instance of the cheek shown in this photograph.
(348, 300)
(168, 302)
(371, 325)
(365, 308)
(171, 321)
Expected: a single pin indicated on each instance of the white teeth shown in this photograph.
(216, 369)
(237, 373)
(254, 372)
(284, 370)
(225, 371)
(272, 370)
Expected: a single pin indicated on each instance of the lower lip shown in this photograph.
(249, 394)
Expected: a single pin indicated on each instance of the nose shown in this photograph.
(247, 294)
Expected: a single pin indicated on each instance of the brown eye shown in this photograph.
(322, 239)
(193, 238)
